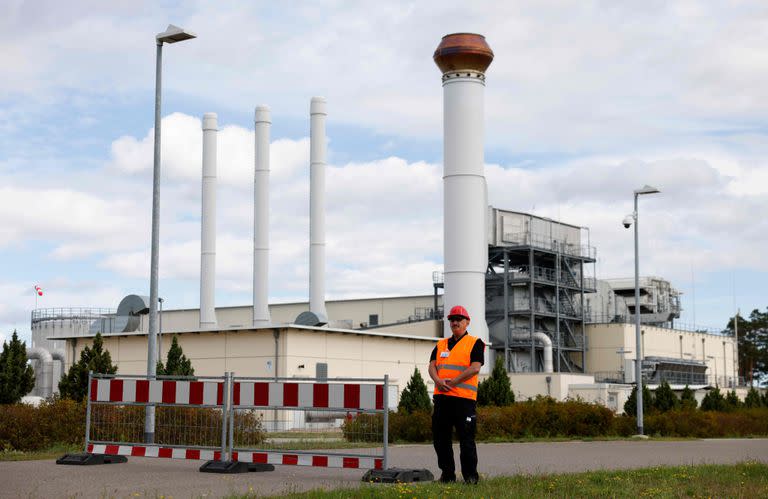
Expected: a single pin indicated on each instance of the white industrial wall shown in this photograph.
(604, 339)
(251, 353)
(356, 312)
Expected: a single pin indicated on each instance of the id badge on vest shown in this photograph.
(444, 355)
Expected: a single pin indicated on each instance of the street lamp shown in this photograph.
(628, 221)
(172, 34)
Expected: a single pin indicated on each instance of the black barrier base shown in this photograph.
(87, 459)
(234, 467)
(398, 475)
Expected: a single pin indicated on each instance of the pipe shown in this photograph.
(317, 160)
(262, 122)
(546, 344)
(44, 372)
(208, 224)
(463, 59)
(60, 355)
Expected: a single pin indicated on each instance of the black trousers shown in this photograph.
(459, 413)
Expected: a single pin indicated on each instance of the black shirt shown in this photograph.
(475, 356)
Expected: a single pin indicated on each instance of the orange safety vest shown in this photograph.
(451, 363)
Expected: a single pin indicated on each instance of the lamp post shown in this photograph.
(714, 363)
(172, 34)
(628, 221)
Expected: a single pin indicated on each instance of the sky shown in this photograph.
(585, 102)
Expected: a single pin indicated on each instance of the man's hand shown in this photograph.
(443, 384)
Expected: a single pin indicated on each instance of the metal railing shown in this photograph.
(549, 275)
(548, 243)
(592, 318)
(69, 313)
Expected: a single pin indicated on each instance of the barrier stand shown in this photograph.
(340, 422)
(337, 422)
(190, 415)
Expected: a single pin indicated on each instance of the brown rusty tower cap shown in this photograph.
(459, 51)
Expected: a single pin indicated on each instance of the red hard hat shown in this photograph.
(459, 311)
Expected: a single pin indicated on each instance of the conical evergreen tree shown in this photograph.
(713, 401)
(687, 399)
(415, 396)
(16, 377)
(74, 385)
(732, 401)
(752, 400)
(665, 399)
(176, 364)
(496, 389)
(630, 406)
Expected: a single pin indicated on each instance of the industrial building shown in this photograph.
(528, 283)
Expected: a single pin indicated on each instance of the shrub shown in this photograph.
(24, 427)
(410, 427)
(752, 400)
(687, 399)
(630, 406)
(665, 399)
(732, 401)
(713, 401)
(543, 417)
(496, 390)
(16, 377)
(415, 396)
(74, 385)
(176, 364)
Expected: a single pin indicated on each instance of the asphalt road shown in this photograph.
(147, 477)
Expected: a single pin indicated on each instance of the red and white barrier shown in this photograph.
(155, 451)
(317, 460)
(204, 393)
(308, 395)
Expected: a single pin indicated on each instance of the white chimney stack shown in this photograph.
(463, 59)
(208, 224)
(317, 159)
(262, 123)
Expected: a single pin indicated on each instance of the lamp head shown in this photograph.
(173, 34)
(647, 189)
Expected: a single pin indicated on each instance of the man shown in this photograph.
(453, 366)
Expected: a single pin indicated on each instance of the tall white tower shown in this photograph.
(317, 160)
(262, 122)
(463, 59)
(208, 224)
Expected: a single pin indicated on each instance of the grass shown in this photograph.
(53, 452)
(748, 480)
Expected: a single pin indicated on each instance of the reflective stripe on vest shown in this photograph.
(457, 361)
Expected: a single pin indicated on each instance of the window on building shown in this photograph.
(321, 371)
(373, 320)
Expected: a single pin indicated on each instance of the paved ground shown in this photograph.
(146, 477)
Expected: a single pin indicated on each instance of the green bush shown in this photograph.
(74, 385)
(687, 399)
(665, 399)
(543, 417)
(177, 364)
(496, 389)
(713, 401)
(415, 396)
(630, 406)
(16, 377)
(732, 401)
(753, 400)
(24, 427)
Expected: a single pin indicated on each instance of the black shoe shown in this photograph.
(446, 478)
(472, 480)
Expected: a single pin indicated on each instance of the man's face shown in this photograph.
(458, 325)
